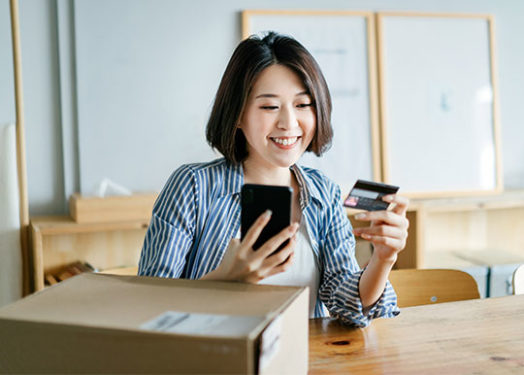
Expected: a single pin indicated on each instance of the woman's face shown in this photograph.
(279, 119)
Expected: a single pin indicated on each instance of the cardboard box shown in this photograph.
(95, 323)
(111, 209)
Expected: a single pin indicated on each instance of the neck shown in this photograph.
(257, 174)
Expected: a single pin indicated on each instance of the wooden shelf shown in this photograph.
(58, 240)
(58, 225)
(466, 224)
(508, 199)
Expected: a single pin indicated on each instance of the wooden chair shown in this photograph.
(131, 271)
(518, 280)
(427, 286)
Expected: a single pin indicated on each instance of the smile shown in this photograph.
(285, 141)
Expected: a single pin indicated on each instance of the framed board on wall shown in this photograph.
(343, 44)
(438, 104)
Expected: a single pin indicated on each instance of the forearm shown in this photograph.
(373, 280)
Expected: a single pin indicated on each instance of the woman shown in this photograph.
(272, 105)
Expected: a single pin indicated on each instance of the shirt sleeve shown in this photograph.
(170, 234)
(339, 289)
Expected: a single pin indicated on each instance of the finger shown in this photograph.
(381, 230)
(393, 243)
(283, 267)
(255, 230)
(274, 242)
(388, 217)
(400, 203)
(280, 256)
(276, 263)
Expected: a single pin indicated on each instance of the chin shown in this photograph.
(285, 163)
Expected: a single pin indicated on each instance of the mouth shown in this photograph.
(285, 142)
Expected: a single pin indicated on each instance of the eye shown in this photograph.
(269, 107)
(304, 105)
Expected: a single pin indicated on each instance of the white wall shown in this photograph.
(69, 98)
(7, 104)
(41, 97)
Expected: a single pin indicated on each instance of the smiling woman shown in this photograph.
(273, 105)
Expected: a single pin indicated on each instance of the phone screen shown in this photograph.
(256, 199)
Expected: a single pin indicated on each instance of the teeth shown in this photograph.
(285, 141)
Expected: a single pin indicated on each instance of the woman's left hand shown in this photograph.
(388, 230)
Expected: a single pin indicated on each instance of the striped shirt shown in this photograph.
(198, 213)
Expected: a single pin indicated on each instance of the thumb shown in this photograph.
(234, 243)
(233, 246)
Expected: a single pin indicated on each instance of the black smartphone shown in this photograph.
(255, 200)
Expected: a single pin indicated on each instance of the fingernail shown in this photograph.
(268, 214)
(365, 236)
(387, 198)
(360, 216)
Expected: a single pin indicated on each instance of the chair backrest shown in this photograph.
(518, 280)
(132, 271)
(427, 286)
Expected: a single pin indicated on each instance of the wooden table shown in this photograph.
(483, 336)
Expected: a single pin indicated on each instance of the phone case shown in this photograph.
(255, 199)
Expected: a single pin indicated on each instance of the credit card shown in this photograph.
(367, 195)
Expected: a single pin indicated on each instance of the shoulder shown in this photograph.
(198, 171)
(214, 179)
(190, 182)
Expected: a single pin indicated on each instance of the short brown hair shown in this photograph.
(251, 57)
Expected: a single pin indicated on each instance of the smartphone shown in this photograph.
(255, 200)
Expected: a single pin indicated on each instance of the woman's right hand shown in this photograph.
(242, 263)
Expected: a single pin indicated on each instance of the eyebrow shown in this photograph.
(276, 96)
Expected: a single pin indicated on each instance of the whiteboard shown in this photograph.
(339, 42)
(143, 99)
(438, 104)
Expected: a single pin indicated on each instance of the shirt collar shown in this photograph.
(235, 178)
(308, 189)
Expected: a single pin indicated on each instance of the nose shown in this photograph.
(288, 118)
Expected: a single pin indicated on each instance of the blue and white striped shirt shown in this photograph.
(198, 213)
